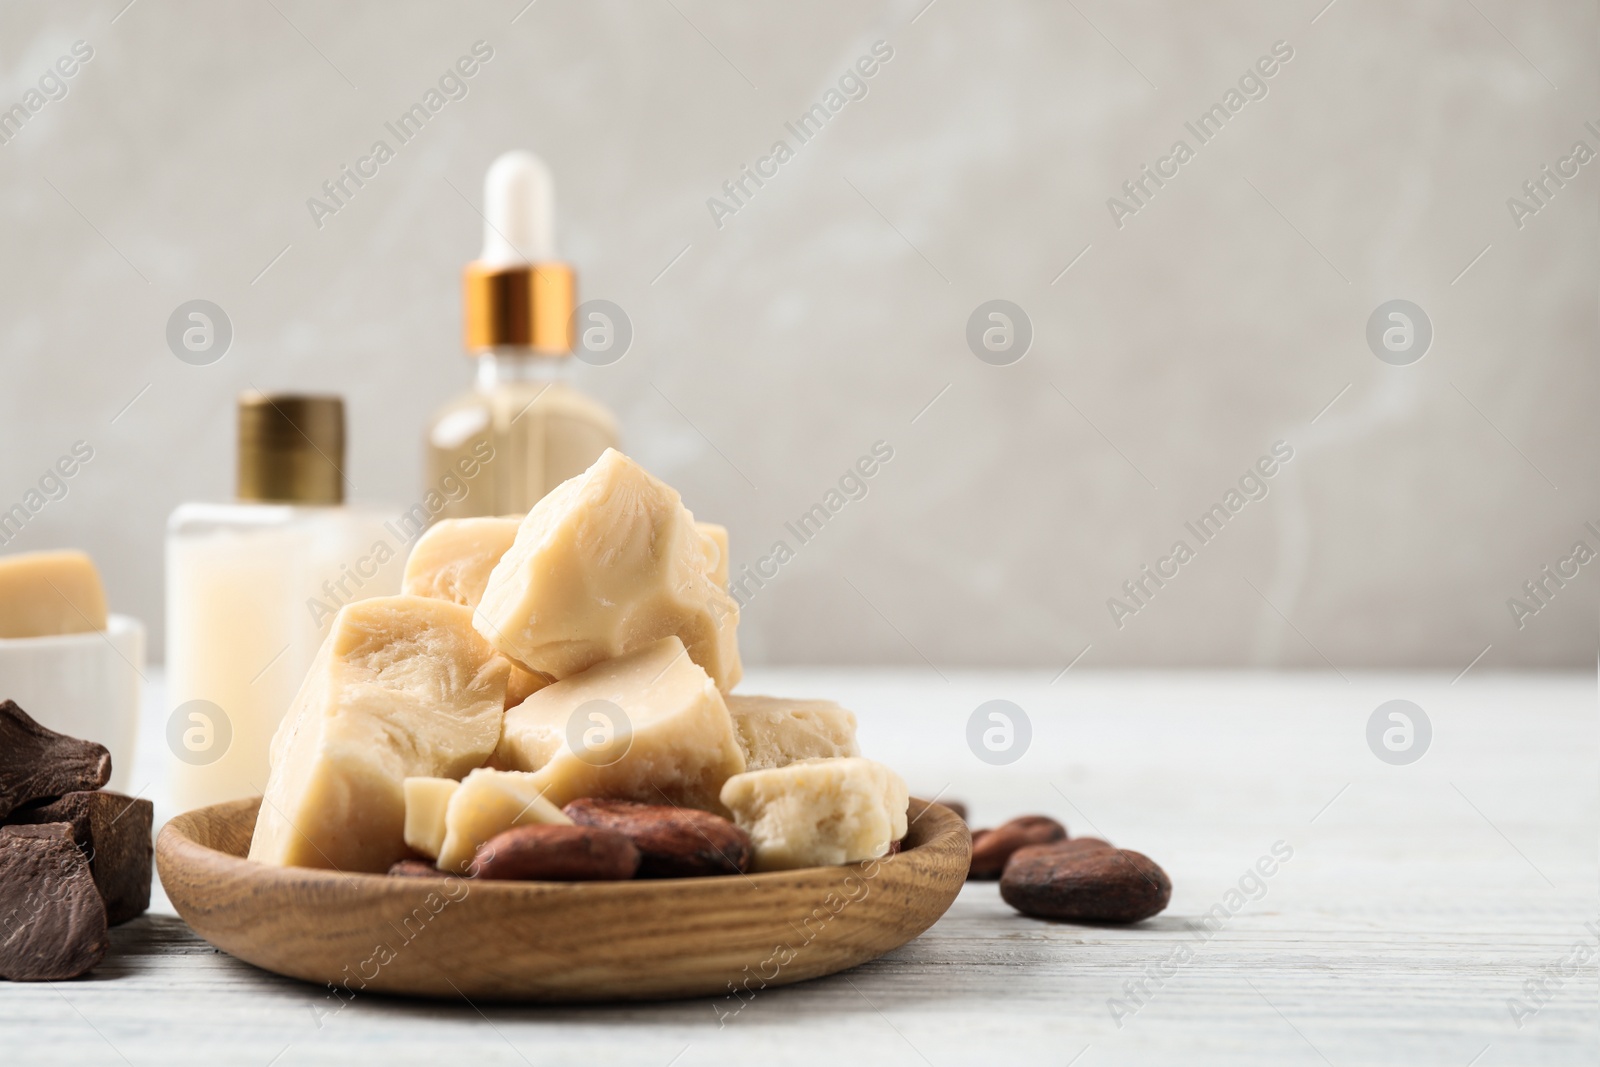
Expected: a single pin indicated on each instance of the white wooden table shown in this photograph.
(1417, 902)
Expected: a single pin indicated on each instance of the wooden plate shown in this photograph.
(555, 941)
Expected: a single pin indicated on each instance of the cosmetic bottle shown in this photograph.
(252, 586)
(522, 428)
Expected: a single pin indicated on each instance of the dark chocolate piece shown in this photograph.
(36, 763)
(114, 833)
(52, 920)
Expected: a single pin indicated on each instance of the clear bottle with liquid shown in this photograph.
(252, 586)
(523, 429)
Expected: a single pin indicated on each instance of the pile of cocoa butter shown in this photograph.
(74, 857)
(1047, 874)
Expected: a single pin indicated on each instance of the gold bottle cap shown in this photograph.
(525, 304)
(291, 448)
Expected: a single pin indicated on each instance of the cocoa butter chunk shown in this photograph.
(818, 813)
(672, 842)
(113, 831)
(36, 763)
(1100, 885)
(775, 731)
(52, 920)
(402, 687)
(991, 848)
(550, 853)
(648, 726)
(609, 562)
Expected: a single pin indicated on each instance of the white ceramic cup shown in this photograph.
(83, 685)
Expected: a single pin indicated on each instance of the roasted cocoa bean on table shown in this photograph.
(991, 848)
(1102, 885)
(1076, 844)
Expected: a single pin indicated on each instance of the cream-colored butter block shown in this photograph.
(523, 684)
(714, 546)
(606, 563)
(647, 726)
(403, 687)
(774, 731)
(452, 561)
(490, 802)
(426, 800)
(43, 594)
(818, 813)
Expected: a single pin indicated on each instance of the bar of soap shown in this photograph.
(426, 801)
(452, 561)
(490, 802)
(774, 731)
(607, 563)
(714, 547)
(649, 726)
(818, 813)
(48, 593)
(114, 832)
(403, 687)
(54, 926)
(36, 762)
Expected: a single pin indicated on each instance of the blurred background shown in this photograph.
(1180, 331)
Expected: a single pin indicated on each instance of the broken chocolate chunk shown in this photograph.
(113, 831)
(52, 920)
(36, 763)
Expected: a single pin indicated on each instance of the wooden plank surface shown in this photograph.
(1417, 902)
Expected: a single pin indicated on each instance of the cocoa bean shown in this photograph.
(672, 842)
(991, 848)
(1100, 885)
(414, 869)
(1076, 844)
(550, 853)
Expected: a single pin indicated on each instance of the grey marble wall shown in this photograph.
(1176, 337)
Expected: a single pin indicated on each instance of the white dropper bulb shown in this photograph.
(519, 211)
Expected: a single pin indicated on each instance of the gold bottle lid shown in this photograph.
(525, 304)
(291, 448)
